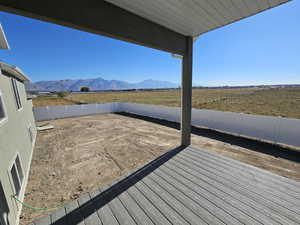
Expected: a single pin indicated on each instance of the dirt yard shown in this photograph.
(81, 154)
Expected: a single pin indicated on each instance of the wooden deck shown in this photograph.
(188, 186)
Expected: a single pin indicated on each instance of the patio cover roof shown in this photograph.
(160, 24)
(195, 17)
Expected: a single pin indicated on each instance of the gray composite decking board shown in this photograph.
(228, 206)
(134, 209)
(250, 176)
(185, 212)
(191, 187)
(45, 220)
(89, 219)
(246, 200)
(215, 210)
(259, 198)
(273, 189)
(173, 216)
(96, 204)
(183, 172)
(106, 215)
(151, 210)
(73, 216)
(259, 173)
(276, 196)
(103, 211)
(121, 214)
(58, 217)
(204, 214)
(248, 168)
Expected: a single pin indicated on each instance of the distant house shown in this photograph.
(17, 138)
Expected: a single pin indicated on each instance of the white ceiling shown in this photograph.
(195, 17)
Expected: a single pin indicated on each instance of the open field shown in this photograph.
(51, 100)
(283, 102)
(82, 154)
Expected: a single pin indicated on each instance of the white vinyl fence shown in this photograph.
(56, 112)
(273, 129)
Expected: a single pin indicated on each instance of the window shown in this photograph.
(16, 93)
(17, 175)
(2, 110)
(4, 210)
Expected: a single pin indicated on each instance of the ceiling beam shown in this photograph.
(100, 17)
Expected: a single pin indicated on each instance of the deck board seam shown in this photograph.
(264, 187)
(264, 207)
(153, 205)
(136, 203)
(164, 172)
(178, 200)
(96, 210)
(271, 196)
(178, 213)
(128, 212)
(190, 200)
(247, 172)
(107, 204)
(286, 214)
(209, 199)
(243, 165)
(225, 194)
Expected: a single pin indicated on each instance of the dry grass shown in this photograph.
(283, 102)
(51, 100)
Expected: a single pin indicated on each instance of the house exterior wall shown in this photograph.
(14, 140)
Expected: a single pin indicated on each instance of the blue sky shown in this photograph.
(262, 49)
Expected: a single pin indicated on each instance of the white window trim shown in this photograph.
(12, 163)
(15, 97)
(3, 120)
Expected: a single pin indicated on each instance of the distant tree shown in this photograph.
(85, 89)
(62, 94)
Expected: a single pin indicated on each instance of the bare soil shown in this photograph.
(84, 153)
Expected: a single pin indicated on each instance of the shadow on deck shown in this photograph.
(104, 195)
(188, 186)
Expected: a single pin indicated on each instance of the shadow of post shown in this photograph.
(123, 183)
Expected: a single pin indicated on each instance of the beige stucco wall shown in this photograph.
(14, 138)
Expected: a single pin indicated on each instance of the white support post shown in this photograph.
(186, 93)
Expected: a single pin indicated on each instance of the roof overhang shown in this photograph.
(195, 17)
(3, 42)
(13, 71)
(160, 24)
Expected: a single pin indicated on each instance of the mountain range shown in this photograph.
(97, 84)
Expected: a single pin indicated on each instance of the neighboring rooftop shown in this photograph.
(13, 71)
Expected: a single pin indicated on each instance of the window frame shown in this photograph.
(4, 210)
(4, 109)
(15, 88)
(20, 178)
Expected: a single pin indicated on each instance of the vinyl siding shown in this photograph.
(14, 139)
